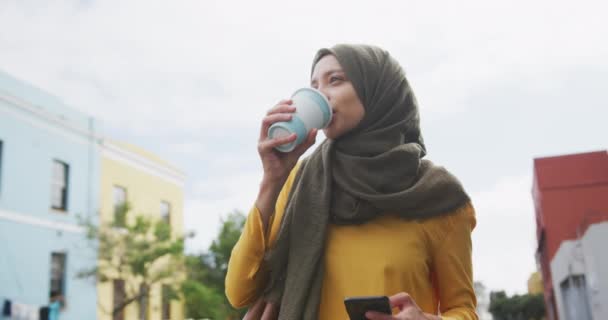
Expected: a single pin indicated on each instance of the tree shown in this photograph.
(138, 250)
(204, 288)
(517, 307)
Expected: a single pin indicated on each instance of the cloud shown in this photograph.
(204, 64)
(504, 239)
(214, 199)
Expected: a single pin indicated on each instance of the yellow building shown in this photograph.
(535, 283)
(151, 187)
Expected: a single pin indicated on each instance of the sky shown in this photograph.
(499, 83)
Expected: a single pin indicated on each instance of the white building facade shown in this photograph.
(580, 275)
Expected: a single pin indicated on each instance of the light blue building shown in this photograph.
(49, 174)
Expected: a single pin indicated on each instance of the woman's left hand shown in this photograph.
(408, 310)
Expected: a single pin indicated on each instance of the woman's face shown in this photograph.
(329, 78)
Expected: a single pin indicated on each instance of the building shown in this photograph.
(49, 175)
(151, 187)
(535, 283)
(571, 203)
(580, 275)
(55, 169)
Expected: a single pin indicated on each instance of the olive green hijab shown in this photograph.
(375, 169)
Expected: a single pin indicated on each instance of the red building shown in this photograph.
(570, 193)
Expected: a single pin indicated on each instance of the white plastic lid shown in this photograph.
(279, 132)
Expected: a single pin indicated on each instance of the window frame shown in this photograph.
(118, 283)
(165, 303)
(143, 304)
(65, 186)
(115, 205)
(167, 218)
(63, 256)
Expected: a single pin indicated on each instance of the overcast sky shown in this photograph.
(498, 85)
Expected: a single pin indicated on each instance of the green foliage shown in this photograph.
(202, 302)
(517, 307)
(204, 289)
(221, 248)
(135, 248)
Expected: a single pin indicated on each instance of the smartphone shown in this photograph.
(356, 307)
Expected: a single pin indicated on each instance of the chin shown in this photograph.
(331, 133)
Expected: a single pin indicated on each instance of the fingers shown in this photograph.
(255, 312)
(310, 140)
(401, 300)
(283, 107)
(271, 312)
(373, 315)
(270, 120)
(269, 144)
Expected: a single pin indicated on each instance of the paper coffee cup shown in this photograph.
(312, 111)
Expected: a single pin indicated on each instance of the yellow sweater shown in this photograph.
(429, 259)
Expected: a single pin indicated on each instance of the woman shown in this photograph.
(363, 215)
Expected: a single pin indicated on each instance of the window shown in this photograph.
(120, 201)
(120, 197)
(574, 295)
(57, 287)
(59, 185)
(143, 303)
(119, 298)
(166, 303)
(165, 211)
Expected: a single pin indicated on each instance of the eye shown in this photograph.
(333, 79)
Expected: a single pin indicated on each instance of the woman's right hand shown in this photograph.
(277, 165)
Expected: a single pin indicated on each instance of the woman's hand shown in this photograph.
(277, 165)
(408, 310)
(262, 310)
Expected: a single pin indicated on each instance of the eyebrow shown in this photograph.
(313, 81)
